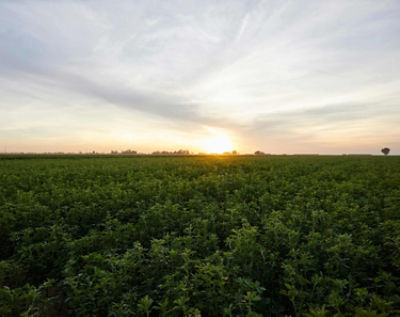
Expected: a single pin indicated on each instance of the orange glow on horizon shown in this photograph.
(217, 144)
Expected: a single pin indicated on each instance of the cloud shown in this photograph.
(329, 116)
(292, 70)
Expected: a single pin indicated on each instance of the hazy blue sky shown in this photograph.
(278, 76)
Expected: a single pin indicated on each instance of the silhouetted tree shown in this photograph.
(259, 153)
(179, 152)
(129, 152)
(385, 150)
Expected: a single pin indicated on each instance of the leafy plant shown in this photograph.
(199, 236)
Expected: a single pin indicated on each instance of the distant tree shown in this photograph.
(385, 150)
(234, 152)
(181, 152)
(129, 152)
(259, 153)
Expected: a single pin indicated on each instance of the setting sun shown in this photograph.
(217, 144)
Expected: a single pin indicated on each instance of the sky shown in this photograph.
(276, 76)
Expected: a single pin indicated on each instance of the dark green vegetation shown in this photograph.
(184, 236)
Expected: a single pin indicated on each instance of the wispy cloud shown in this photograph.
(267, 71)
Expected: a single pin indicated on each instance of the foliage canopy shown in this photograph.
(192, 236)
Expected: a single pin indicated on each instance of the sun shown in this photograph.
(217, 144)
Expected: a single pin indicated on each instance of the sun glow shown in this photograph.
(217, 144)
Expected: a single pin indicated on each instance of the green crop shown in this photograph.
(199, 236)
